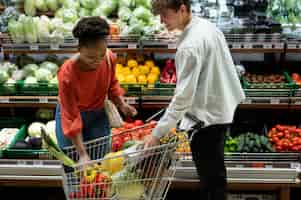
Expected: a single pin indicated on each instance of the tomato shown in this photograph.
(138, 123)
(86, 190)
(275, 139)
(127, 138)
(280, 134)
(274, 130)
(115, 131)
(116, 144)
(279, 148)
(129, 126)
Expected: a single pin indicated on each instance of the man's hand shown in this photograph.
(150, 141)
(128, 110)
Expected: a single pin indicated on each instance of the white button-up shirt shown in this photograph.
(207, 82)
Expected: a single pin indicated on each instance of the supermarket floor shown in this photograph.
(12, 193)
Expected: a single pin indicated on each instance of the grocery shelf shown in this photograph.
(38, 101)
(40, 173)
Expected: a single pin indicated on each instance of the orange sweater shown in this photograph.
(84, 91)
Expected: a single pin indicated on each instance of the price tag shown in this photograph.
(172, 46)
(298, 102)
(34, 47)
(239, 166)
(21, 162)
(38, 162)
(275, 101)
(4, 100)
(236, 45)
(295, 165)
(248, 46)
(292, 46)
(54, 46)
(43, 100)
(269, 166)
(132, 46)
(267, 46)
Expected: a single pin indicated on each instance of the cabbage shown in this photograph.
(43, 75)
(30, 28)
(52, 67)
(56, 23)
(3, 76)
(83, 12)
(126, 3)
(144, 3)
(59, 13)
(9, 67)
(10, 85)
(44, 114)
(108, 6)
(50, 130)
(56, 37)
(34, 129)
(29, 70)
(41, 5)
(52, 4)
(142, 13)
(69, 15)
(30, 82)
(16, 31)
(29, 7)
(89, 4)
(43, 29)
(17, 75)
(98, 11)
(124, 14)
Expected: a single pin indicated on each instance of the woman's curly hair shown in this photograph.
(90, 29)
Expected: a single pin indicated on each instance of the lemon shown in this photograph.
(130, 79)
(120, 78)
(152, 78)
(126, 71)
(136, 71)
(149, 63)
(132, 63)
(118, 68)
(144, 69)
(142, 79)
(155, 70)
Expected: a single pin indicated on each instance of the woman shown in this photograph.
(84, 82)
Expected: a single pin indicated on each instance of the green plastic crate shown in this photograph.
(7, 89)
(288, 85)
(160, 89)
(6, 122)
(39, 89)
(10, 152)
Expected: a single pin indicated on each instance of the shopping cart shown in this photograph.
(132, 174)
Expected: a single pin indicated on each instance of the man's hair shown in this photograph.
(90, 29)
(160, 5)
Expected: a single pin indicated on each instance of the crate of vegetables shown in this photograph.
(28, 142)
(160, 89)
(267, 81)
(34, 88)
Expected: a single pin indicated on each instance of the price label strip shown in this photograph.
(54, 46)
(43, 100)
(34, 47)
(4, 100)
(172, 46)
(132, 46)
(275, 101)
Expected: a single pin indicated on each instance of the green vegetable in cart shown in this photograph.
(55, 150)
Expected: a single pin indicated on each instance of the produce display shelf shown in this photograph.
(268, 92)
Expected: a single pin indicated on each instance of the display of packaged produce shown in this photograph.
(6, 136)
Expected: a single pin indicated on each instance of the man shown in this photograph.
(208, 89)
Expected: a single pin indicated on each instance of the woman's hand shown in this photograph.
(128, 110)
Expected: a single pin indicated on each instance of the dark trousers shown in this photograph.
(207, 148)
